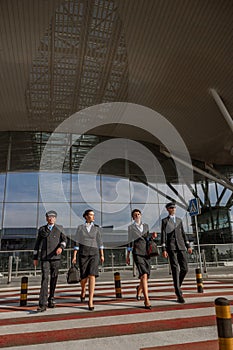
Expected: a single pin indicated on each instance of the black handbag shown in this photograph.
(152, 248)
(73, 275)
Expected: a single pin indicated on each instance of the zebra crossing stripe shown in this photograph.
(104, 331)
(126, 317)
(206, 345)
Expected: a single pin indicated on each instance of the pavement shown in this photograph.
(116, 322)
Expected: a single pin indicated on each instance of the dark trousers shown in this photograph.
(179, 268)
(51, 268)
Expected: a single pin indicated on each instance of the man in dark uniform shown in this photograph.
(51, 240)
(174, 243)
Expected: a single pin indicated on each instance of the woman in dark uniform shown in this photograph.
(90, 247)
(138, 233)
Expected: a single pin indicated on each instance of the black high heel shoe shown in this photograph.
(138, 297)
(148, 307)
(82, 299)
(90, 308)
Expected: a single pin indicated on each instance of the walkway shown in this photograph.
(116, 323)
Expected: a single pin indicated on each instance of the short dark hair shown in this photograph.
(135, 211)
(86, 212)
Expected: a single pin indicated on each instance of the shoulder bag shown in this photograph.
(73, 275)
(152, 248)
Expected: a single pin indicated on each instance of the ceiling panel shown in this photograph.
(58, 57)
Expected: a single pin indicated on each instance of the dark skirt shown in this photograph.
(89, 265)
(143, 264)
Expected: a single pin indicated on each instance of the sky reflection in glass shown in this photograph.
(20, 215)
(85, 186)
(2, 186)
(22, 187)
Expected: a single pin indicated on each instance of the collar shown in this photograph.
(89, 224)
(50, 227)
(135, 223)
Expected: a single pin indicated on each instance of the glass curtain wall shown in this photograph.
(118, 187)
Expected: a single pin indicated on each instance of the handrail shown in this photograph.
(15, 262)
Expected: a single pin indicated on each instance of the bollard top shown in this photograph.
(222, 302)
(24, 279)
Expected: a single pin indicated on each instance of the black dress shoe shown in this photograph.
(41, 308)
(51, 304)
(90, 308)
(180, 300)
(138, 297)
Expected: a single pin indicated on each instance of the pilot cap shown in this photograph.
(51, 213)
(170, 205)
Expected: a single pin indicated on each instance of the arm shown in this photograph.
(149, 235)
(100, 245)
(63, 242)
(102, 255)
(76, 248)
(186, 241)
(163, 240)
(128, 256)
(74, 259)
(153, 235)
(37, 249)
(129, 245)
(146, 234)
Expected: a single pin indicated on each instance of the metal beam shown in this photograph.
(161, 193)
(51, 66)
(177, 194)
(217, 173)
(197, 170)
(229, 202)
(222, 108)
(83, 44)
(220, 197)
(109, 58)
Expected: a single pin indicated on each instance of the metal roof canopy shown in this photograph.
(175, 57)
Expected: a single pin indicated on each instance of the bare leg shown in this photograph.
(83, 283)
(144, 282)
(91, 287)
(140, 287)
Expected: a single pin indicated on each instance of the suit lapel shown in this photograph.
(92, 231)
(170, 226)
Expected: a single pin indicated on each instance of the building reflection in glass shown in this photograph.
(119, 187)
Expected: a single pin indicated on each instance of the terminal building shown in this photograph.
(114, 105)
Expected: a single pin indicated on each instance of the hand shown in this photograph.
(154, 235)
(35, 263)
(190, 250)
(101, 259)
(59, 251)
(128, 260)
(74, 260)
(165, 254)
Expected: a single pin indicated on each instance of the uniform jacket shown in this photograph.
(137, 239)
(88, 243)
(49, 241)
(173, 236)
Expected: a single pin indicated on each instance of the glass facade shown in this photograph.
(117, 188)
